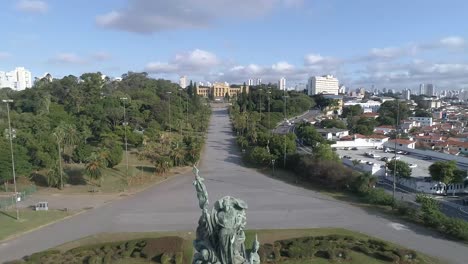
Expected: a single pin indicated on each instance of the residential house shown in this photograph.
(384, 129)
(400, 143)
(333, 133)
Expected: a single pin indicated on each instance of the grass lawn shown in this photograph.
(28, 220)
(141, 174)
(265, 237)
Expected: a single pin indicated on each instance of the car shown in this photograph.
(384, 159)
(395, 158)
(333, 149)
(399, 152)
(405, 153)
(413, 165)
(345, 148)
(375, 156)
(354, 148)
(370, 163)
(427, 158)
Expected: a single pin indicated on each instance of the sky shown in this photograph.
(393, 44)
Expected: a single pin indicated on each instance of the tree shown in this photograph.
(325, 152)
(115, 154)
(352, 110)
(97, 162)
(403, 169)
(422, 113)
(260, 156)
(389, 111)
(446, 172)
(333, 123)
(22, 165)
(363, 183)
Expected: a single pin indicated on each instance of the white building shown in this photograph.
(424, 121)
(18, 79)
(259, 81)
(183, 82)
(323, 85)
(369, 106)
(282, 84)
(250, 82)
(407, 94)
(422, 89)
(342, 89)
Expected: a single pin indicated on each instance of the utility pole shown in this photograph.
(12, 156)
(269, 123)
(285, 121)
(125, 123)
(170, 129)
(59, 138)
(394, 158)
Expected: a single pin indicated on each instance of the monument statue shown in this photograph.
(220, 234)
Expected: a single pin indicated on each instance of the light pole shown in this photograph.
(273, 166)
(285, 118)
(269, 123)
(170, 130)
(394, 159)
(125, 123)
(12, 155)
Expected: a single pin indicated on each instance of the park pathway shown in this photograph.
(272, 203)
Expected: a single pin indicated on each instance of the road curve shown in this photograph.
(172, 205)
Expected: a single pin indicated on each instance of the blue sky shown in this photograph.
(394, 44)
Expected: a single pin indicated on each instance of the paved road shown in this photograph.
(272, 204)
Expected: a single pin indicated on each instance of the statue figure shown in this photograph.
(254, 257)
(220, 234)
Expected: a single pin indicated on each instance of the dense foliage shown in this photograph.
(74, 117)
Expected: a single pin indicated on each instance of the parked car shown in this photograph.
(354, 148)
(413, 165)
(370, 163)
(375, 156)
(427, 158)
(395, 158)
(384, 159)
(345, 148)
(405, 153)
(399, 152)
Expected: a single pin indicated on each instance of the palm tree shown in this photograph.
(97, 162)
(66, 136)
(54, 176)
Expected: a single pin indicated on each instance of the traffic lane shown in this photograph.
(422, 166)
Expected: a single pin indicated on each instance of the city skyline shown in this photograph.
(212, 44)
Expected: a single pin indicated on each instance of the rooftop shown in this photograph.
(402, 141)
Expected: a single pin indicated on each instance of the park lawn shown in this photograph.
(28, 220)
(141, 175)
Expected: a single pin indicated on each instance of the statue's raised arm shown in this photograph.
(200, 187)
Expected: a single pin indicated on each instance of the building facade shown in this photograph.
(424, 121)
(183, 82)
(282, 84)
(407, 94)
(323, 85)
(220, 90)
(18, 79)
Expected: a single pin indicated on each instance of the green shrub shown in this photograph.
(107, 259)
(94, 260)
(179, 258)
(37, 257)
(379, 197)
(363, 249)
(456, 228)
(387, 256)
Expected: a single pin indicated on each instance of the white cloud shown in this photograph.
(149, 16)
(71, 58)
(453, 42)
(32, 6)
(67, 58)
(186, 62)
(282, 67)
(101, 56)
(4, 55)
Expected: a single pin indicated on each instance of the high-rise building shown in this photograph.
(342, 89)
(326, 84)
(282, 84)
(250, 82)
(18, 79)
(430, 89)
(422, 89)
(183, 82)
(259, 81)
(407, 94)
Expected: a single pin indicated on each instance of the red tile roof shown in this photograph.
(385, 126)
(460, 144)
(403, 141)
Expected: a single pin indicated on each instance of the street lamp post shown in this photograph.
(394, 159)
(269, 123)
(285, 118)
(170, 130)
(12, 156)
(273, 166)
(125, 123)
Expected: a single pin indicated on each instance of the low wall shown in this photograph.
(358, 144)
